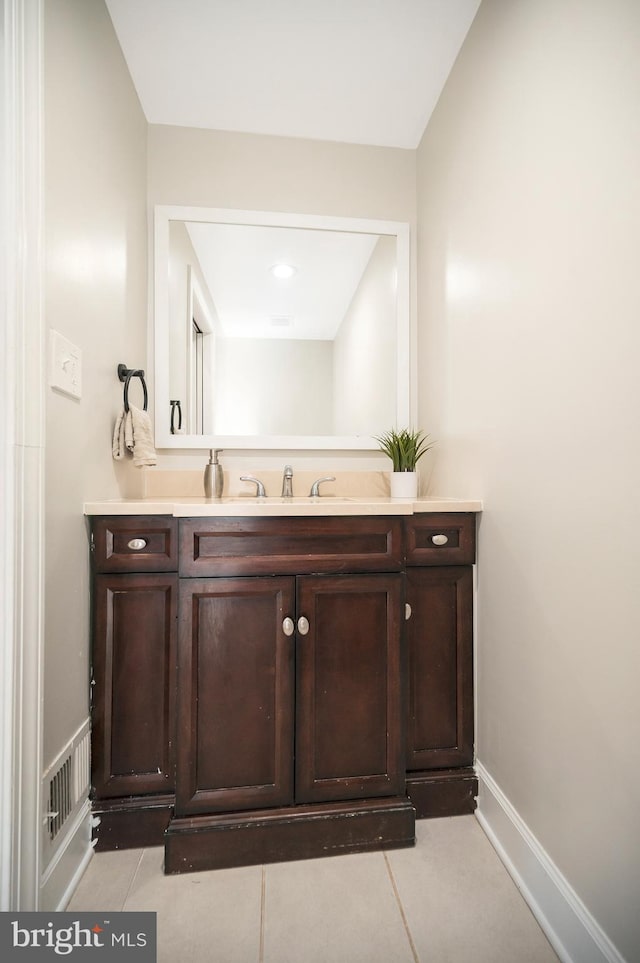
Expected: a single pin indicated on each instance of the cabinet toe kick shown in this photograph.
(276, 835)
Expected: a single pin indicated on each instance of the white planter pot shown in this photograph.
(404, 484)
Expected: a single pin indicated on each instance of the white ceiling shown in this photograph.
(359, 71)
(236, 262)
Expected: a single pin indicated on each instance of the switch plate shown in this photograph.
(65, 365)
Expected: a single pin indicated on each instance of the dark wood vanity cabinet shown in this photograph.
(133, 683)
(440, 551)
(259, 693)
(290, 739)
(236, 707)
(275, 712)
(350, 705)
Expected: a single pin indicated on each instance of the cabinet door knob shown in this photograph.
(439, 539)
(407, 612)
(288, 627)
(303, 625)
(136, 544)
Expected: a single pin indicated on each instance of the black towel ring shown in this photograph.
(126, 374)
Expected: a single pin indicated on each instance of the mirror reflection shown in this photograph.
(276, 332)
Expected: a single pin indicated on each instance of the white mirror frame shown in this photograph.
(160, 327)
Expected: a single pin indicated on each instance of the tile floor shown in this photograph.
(449, 900)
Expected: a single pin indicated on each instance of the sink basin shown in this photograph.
(278, 500)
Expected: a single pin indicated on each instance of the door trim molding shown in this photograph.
(22, 453)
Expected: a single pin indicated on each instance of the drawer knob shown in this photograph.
(407, 612)
(439, 539)
(287, 626)
(137, 544)
(303, 625)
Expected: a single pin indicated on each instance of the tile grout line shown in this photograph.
(263, 888)
(132, 880)
(401, 908)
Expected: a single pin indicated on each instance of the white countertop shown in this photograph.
(242, 505)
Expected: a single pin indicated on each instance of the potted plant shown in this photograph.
(404, 446)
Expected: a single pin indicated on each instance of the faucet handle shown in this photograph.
(315, 488)
(260, 492)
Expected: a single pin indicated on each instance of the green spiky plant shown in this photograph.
(404, 446)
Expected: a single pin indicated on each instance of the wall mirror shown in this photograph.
(279, 331)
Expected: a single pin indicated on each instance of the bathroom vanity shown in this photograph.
(274, 685)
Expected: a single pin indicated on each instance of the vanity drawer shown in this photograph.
(441, 539)
(135, 543)
(289, 546)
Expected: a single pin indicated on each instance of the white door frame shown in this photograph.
(22, 369)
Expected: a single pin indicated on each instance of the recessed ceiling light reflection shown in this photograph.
(283, 271)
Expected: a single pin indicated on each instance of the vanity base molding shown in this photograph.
(130, 823)
(277, 835)
(446, 792)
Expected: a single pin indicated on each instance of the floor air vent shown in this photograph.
(66, 787)
(61, 800)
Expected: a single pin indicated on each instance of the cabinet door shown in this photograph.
(134, 684)
(440, 640)
(348, 738)
(235, 703)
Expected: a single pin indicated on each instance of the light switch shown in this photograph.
(65, 365)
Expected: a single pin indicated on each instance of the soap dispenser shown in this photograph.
(213, 477)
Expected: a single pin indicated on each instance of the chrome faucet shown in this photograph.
(260, 492)
(315, 488)
(287, 489)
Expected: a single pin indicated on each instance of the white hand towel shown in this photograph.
(118, 447)
(133, 434)
(138, 436)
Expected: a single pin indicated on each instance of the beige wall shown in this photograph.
(96, 296)
(529, 232)
(273, 386)
(365, 350)
(255, 172)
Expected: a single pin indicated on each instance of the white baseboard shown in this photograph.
(63, 873)
(568, 925)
